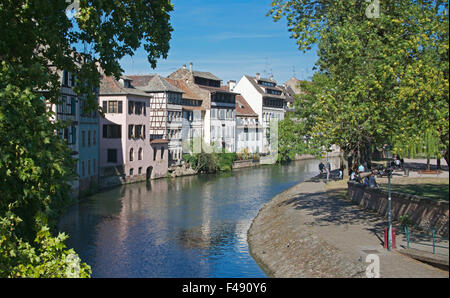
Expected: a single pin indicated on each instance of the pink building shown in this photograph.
(126, 152)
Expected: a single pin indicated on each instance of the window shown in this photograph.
(138, 108)
(94, 138)
(140, 154)
(89, 138)
(130, 131)
(131, 154)
(130, 107)
(95, 167)
(131, 172)
(89, 168)
(138, 130)
(72, 78)
(267, 84)
(274, 92)
(112, 106)
(73, 106)
(65, 78)
(83, 138)
(82, 169)
(155, 151)
(162, 153)
(112, 131)
(112, 155)
(140, 171)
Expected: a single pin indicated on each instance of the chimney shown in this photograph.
(258, 76)
(190, 66)
(231, 85)
(184, 66)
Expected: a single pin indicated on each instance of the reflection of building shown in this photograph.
(218, 102)
(127, 153)
(266, 99)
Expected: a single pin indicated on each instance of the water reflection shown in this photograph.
(188, 227)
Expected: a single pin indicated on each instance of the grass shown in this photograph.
(434, 188)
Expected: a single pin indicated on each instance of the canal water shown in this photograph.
(186, 227)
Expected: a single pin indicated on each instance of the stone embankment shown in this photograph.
(282, 244)
(180, 171)
(307, 232)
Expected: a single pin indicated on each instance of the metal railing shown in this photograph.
(422, 236)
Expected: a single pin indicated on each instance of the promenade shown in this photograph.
(307, 232)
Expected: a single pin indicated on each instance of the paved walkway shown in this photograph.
(305, 233)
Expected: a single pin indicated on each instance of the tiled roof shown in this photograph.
(289, 93)
(109, 86)
(140, 80)
(223, 89)
(205, 75)
(187, 92)
(243, 108)
(153, 83)
(261, 90)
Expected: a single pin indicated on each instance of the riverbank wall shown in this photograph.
(285, 246)
(425, 213)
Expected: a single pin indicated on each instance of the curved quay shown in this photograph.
(305, 232)
(283, 244)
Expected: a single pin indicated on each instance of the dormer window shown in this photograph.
(274, 92)
(127, 83)
(266, 84)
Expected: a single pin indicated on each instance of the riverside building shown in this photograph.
(127, 153)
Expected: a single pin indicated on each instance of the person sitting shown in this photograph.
(366, 181)
(372, 181)
(361, 168)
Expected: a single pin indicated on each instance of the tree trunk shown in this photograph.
(446, 156)
(428, 164)
(438, 163)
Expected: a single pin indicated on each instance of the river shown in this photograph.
(186, 227)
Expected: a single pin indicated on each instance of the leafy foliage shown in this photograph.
(36, 167)
(380, 79)
(48, 258)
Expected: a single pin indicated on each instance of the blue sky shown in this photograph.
(228, 38)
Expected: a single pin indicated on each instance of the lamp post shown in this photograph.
(389, 172)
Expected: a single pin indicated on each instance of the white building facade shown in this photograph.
(267, 100)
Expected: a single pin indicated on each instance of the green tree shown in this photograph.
(36, 167)
(379, 78)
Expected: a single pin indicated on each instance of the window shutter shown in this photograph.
(120, 107)
(74, 135)
(73, 105)
(105, 131)
(105, 106)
